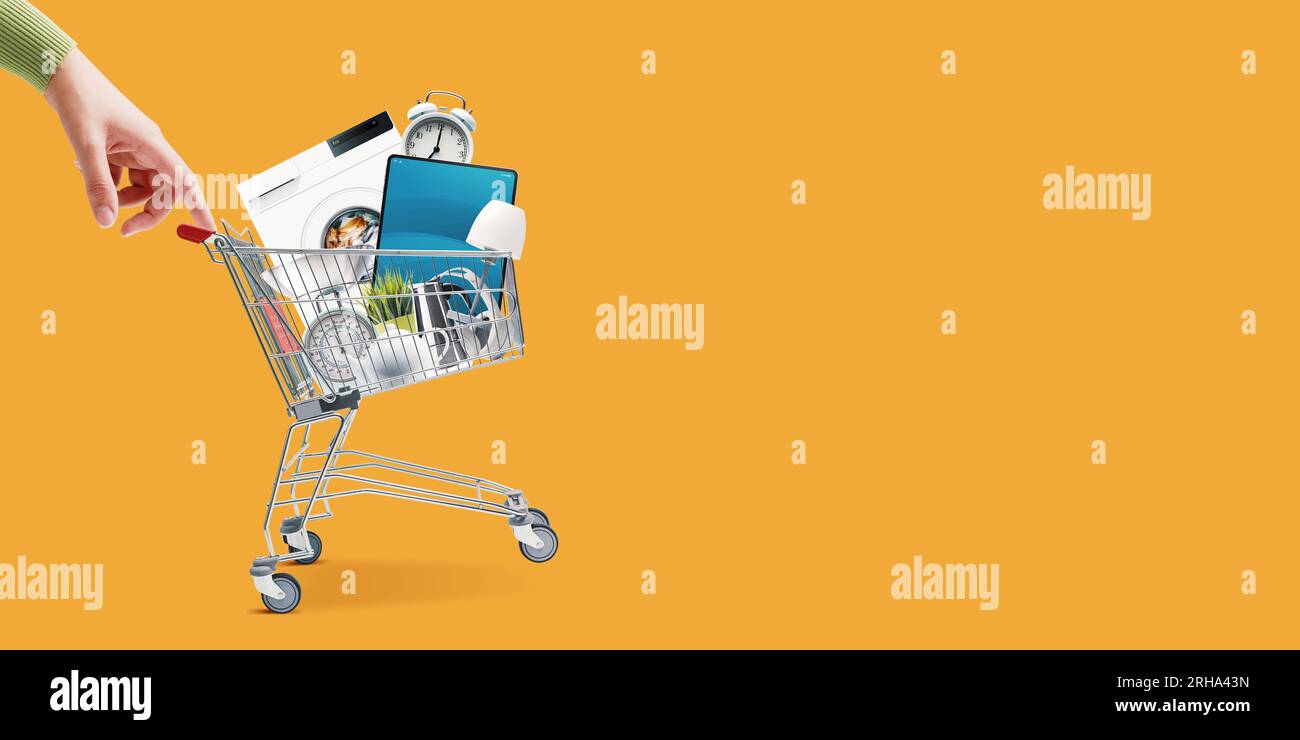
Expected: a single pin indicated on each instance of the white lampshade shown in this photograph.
(499, 227)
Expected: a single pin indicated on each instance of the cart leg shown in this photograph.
(335, 445)
(281, 592)
(336, 442)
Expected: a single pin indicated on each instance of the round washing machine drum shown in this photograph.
(348, 219)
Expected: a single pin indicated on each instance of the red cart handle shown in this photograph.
(190, 232)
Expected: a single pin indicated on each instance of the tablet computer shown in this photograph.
(429, 204)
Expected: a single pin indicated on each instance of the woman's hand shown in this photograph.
(109, 134)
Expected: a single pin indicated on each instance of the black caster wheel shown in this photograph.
(545, 520)
(550, 543)
(317, 547)
(292, 594)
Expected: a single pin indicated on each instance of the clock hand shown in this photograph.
(437, 145)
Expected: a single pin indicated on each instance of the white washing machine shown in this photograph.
(327, 197)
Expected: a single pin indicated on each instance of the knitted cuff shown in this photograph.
(31, 46)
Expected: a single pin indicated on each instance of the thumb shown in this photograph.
(101, 191)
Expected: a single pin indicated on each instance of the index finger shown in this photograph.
(170, 164)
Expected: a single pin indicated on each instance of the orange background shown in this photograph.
(822, 324)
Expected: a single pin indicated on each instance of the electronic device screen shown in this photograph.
(430, 204)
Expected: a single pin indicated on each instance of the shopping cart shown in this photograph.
(338, 325)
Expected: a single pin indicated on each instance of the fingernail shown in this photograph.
(104, 217)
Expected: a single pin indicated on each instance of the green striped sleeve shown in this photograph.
(31, 46)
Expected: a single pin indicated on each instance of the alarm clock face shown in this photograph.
(441, 137)
(334, 337)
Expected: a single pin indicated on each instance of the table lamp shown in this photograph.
(499, 227)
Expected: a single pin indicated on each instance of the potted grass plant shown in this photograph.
(389, 304)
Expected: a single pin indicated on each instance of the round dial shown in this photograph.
(334, 337)
(439, 136)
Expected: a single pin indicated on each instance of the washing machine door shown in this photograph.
(348, 219)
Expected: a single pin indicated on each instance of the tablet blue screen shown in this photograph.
(431, 205)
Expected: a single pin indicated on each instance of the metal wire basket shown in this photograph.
(335, 322)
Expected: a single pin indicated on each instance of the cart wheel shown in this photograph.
(292, 594)
(546, 520)
(317, 547)
(550, 543)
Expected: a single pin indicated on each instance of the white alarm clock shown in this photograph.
(440, 133)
